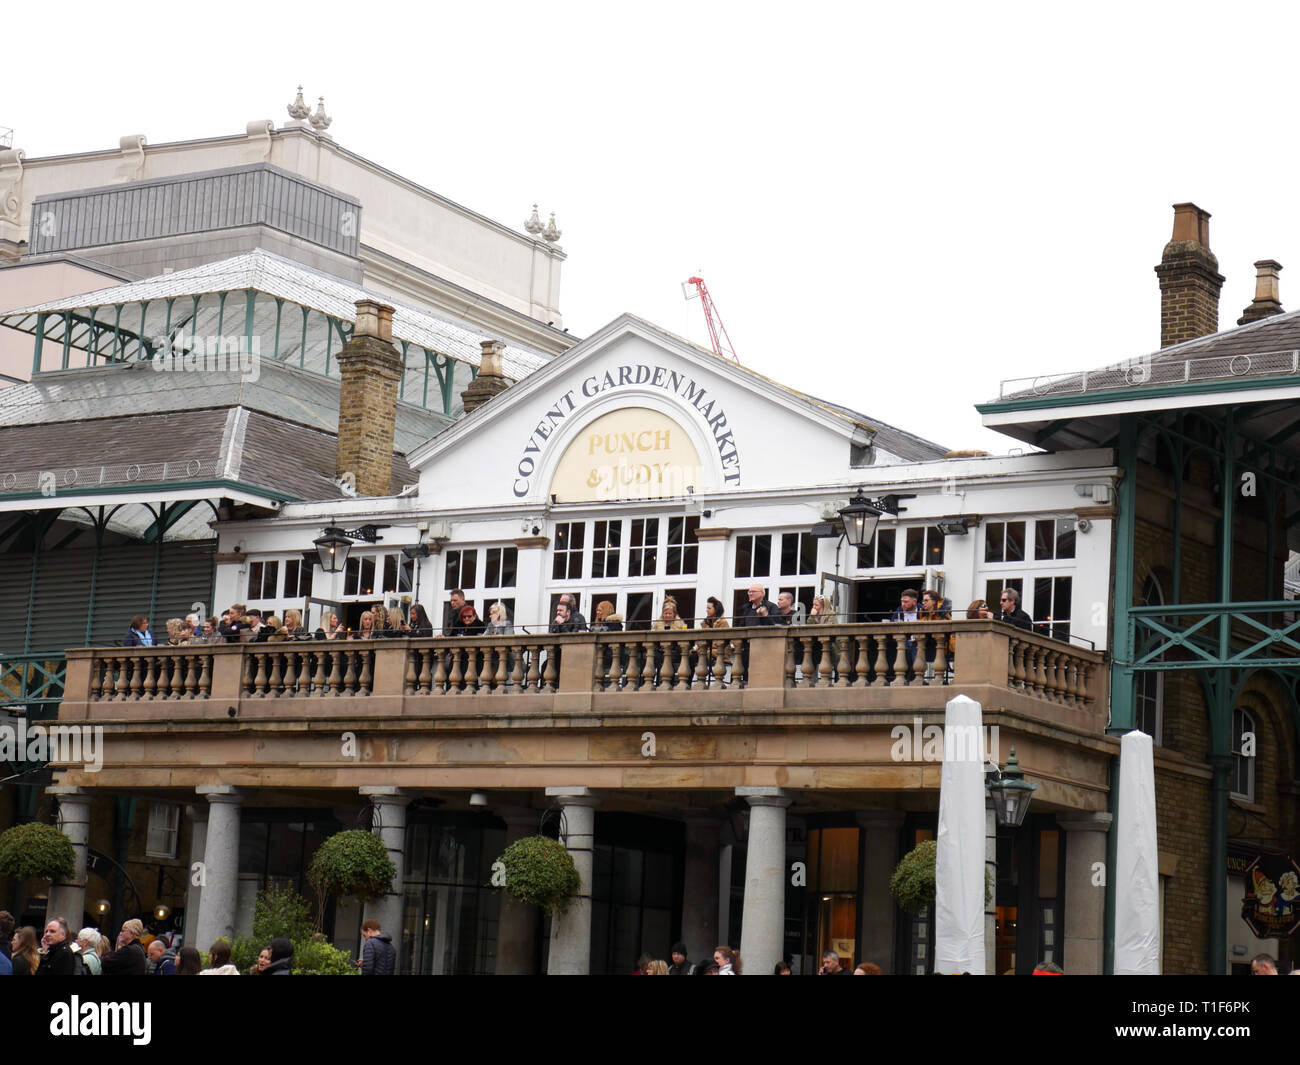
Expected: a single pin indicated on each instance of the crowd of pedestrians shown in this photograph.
(134, 953)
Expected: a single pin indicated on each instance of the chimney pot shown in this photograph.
(374, 319)
(1267, 301)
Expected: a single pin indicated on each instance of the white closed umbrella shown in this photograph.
(959, 860)
(1137, 870)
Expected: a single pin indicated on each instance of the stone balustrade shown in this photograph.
(877, 655)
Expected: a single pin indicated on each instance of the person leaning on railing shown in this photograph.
(935, 608)
(365, 627)
(714, 618)
(666, 622)
(419, 623)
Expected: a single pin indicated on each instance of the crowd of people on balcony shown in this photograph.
(240, 624)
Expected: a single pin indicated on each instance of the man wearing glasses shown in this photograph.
(1011, 612)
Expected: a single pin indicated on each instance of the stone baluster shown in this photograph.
(291, 671)
(259, 682)
(410, 681)
(205, 675)
(517, 666)
(862, 663)
(318, 677)
(704, 652)
(137, 677)
(826, 667)
(425, 678)
(119, 687)
(152, 668)
(190, 664)
(738, 656)
(552, 674)
(336, 670)
(471, 671)
(367, 666)
(647, 664)
(457, 676)
(941, 657)
(881, 666)
(276, 681)
(350, 676)
(683, 649)
(96, 677)
(534, 679)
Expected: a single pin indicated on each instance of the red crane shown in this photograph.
(717, 331)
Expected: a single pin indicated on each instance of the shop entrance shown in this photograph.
(868, 600)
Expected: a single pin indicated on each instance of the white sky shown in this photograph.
(894, 205)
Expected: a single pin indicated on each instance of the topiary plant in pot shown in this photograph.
(354, 862)
(539, 871)
(912, 884)
(36, 851)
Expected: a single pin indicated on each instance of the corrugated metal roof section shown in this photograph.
(197, 203)
(262, 271)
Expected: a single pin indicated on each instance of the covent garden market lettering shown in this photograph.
(640, 374)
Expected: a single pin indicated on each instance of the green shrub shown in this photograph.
(36, 850)
(318, 957)
(354, 862)
(281, 911)
(244, 952)
(539, 871)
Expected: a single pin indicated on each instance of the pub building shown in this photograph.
(753, 785)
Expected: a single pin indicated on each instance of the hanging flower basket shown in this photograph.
(36, 851)
(540, 872)
(354, 862)
(912, 884)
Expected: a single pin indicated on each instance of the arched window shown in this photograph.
(1150, 697)
(1243, 745)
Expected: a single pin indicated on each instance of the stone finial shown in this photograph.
(1267, 301)
(491, 379)
(320, 121)
(298, 110)
(534, 224)
(551, 234)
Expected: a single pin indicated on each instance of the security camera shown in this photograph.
(1083, 525)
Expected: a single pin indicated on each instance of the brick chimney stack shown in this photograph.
(1266, 302)
(371, 369)
(1189, 279)
(490, 380)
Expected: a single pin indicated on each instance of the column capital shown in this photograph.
(573, 796)
(763, 795)
(1085, 822)
(220, 793)
(386, 794)
(880, 818)
(67, 791)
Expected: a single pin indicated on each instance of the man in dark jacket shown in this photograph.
(59, 959)
(162, 959)
(1011, 612)
(378, 955)
(681, 965)
(759, 610)
(128, 959)
(575, 615)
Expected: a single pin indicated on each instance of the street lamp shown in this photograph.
(1010, 791)
(333, 545)
(862, 515)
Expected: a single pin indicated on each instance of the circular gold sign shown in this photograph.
(634, 453)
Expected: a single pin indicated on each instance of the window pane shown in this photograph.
(789, 553)
(886, 546)
(744, 556)
(452, 571)
(1044, 538)
(915, 547)
(291, 570)
(994, 541)
(1042, 601)
(468, 570)
(934, 541)
(367, 576)
(352, 575)
(390, 573)
(763, 555)
(1065, 538)
(1015, 541)
(492, 573)
(807, 553)
(509, 567)
(255, 580)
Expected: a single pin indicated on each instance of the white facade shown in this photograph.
(754, 468)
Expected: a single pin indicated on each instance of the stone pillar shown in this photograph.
(517, 925)
(390, 826)
(711, 570)
(725, 854)
(762, 934)
(571, 933)
(880, 846)
(67, 898)
(198, 816)
(1267, 301)
(220, 866)
(700, 888)
(1085, 909)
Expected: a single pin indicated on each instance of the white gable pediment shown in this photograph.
(632, 413)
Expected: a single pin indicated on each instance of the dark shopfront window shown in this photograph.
(276, 846)
(450, 911)
(636, 891)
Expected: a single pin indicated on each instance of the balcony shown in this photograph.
(438, 709)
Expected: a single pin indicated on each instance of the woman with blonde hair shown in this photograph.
(365, 627)
(499, 620)
(293, 629)
(397, 627)
(657, 968)
(176, 632)
(664, 623)
(823, 611)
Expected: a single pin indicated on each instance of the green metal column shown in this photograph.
(1216, 963)
(40, 342)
